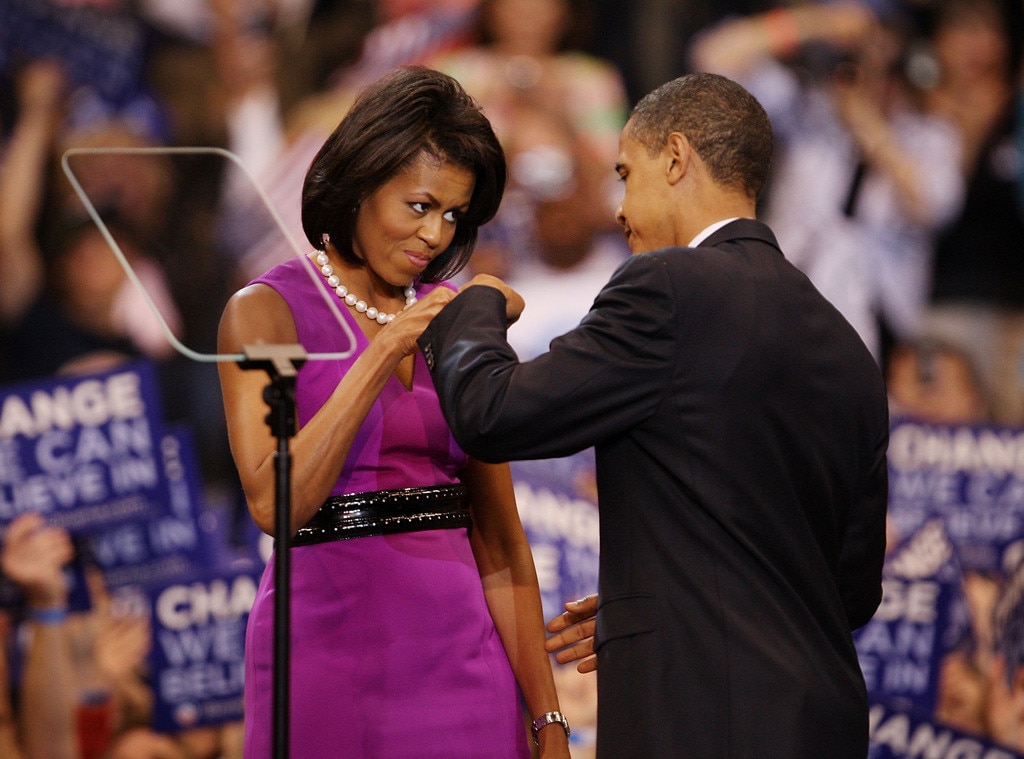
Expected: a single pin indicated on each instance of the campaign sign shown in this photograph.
(558, 508)
(83, 451)
(198, 653)
(91, 455)
(899, 731)
(971, 477)
(101, 48)
(901, 648)
(230, 532)
(168, 544)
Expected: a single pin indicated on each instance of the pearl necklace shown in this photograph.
(353, 300)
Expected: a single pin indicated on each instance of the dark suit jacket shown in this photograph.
(741, 429)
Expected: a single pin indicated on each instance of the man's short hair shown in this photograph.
(725, 125)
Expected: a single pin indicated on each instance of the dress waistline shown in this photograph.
(386, 512)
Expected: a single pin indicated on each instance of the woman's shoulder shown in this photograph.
(277, 291)
(255, 313)
(286, 271)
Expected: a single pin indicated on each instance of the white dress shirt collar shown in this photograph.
(710, 230)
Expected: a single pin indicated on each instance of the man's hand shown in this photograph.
(574, 639)
(514, 303)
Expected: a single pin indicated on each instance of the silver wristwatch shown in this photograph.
(549, 719)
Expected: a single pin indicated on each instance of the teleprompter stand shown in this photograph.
(281, 363)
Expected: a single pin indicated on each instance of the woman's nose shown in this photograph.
(430, 230)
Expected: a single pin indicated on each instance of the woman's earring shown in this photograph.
(326, 239)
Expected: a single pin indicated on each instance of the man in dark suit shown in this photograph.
(740, 428)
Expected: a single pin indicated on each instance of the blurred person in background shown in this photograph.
(528, 53)
(66, 302)
(648, 40)
(64, 297)
(565, 228)
(977, 294)
(936, 382)
(864, 177)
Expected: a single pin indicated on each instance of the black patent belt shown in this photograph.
(386, 512)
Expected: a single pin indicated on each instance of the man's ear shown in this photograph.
(678, 156)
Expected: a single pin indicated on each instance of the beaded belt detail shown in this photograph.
(386, 512)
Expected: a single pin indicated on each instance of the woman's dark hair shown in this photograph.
(409, 111)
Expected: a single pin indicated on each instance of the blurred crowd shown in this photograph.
(898, 188)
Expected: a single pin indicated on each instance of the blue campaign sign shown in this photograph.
(84, 451)
(91, 454)
(901, 648)
(197, 659)
(933, 654)
(558, 507)
(105, 49)
(970, 476)
(168, 544)
(899, 731)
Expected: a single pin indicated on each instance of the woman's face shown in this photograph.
(412, 218)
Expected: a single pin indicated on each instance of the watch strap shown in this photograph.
(549, 718)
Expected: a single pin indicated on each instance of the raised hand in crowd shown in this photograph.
(120, 640)
(33, 556)
(42, 87)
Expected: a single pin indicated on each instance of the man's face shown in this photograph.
(646, 201)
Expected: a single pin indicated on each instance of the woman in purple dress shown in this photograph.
(416, 624)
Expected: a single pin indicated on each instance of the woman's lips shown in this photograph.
(418, 260)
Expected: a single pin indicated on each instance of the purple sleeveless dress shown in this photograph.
(394, 652)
